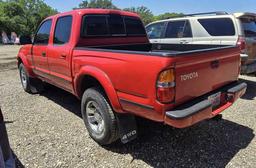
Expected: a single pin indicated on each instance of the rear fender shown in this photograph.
(103, 79)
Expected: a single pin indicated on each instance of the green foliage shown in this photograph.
(167, 16)
(9, 15)
(105, 4)
(145, 13)
(23, 16)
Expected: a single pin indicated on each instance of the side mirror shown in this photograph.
(25, 40)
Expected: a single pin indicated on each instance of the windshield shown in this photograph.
(249, 27)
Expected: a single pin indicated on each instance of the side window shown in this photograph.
(218, 27)
(249, 26)
(187, 30)
(156, 30)
(62, 30)
(178, 29)
(43, 34)
(95, 26)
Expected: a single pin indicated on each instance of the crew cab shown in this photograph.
(104, 58)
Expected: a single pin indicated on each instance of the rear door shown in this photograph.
(40, 49)
(155, 32)
(249, 27)
(178, 32)
(59, 56)
(203, 72)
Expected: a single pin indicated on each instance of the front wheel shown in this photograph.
(24, 78)
(99, 117)
(30, 85)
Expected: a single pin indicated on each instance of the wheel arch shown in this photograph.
(21, 58)
(90, 76)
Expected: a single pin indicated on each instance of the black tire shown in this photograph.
(24, 78)
(107, 132)
(217, 117)
(30, 85)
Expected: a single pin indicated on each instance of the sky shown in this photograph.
(162, 6)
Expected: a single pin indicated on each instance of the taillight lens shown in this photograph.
(242, 44)
(166, 86)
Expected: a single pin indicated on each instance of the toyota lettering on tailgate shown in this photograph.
(189, 76)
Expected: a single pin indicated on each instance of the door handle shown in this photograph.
(215, 64)
(44, 54)
(63, 56)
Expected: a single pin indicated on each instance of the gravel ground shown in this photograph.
(47, 131)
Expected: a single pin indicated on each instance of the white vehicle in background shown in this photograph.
(215, 28)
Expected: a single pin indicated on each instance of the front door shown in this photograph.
(40, 50)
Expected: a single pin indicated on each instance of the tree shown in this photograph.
(145, 13)
(10, 16)
(167, 16)
(23, 16)
(105, 4)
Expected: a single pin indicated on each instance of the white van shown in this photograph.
(215, 28)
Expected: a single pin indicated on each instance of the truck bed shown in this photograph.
(165, 50)
(212, 66)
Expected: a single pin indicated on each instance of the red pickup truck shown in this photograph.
(105, 59)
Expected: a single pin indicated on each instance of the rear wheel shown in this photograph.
(99, 117)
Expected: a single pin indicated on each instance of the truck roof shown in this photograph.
(96, 11)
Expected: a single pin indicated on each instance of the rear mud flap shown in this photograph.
(36, 86)
(127, 127)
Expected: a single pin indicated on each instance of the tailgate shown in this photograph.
(202, 72)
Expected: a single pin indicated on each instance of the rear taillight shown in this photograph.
(242, 44)
(166, 86)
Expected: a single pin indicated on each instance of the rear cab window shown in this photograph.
(116, 25)
(95, 26)
(218, 26)
(111, 25)
(134, 27)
